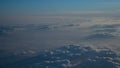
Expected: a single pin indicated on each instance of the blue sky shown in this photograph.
(56, 6)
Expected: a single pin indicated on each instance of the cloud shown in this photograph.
(99, 36)
(106, 26)
(82, 56)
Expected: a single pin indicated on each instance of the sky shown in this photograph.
(36, 7)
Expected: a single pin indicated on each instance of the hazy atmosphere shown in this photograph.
(59, 33)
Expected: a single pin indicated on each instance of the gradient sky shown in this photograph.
(11, 7)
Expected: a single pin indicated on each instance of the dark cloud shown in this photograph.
(105, 30)
(99, 36)
(106, 26)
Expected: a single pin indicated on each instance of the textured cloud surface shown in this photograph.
(71, 56)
